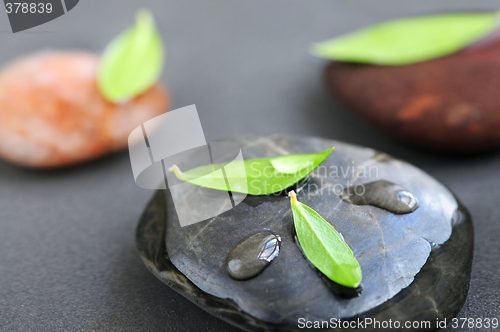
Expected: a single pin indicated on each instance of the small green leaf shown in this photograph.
(255, 176)
(409, 40)
(324, 247)
(132, 62)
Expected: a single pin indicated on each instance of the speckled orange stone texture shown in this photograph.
(52, 113)
(451, 102)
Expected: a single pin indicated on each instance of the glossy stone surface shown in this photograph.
(450, 102)
(52, 113)
(383, 194)
(414, 265)
(253, 255)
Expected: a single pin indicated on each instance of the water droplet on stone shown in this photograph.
(434, 245)
(383, 194)
(253, 255)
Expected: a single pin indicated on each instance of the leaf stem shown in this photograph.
(177, 171)
(293, 196)
(144, 17)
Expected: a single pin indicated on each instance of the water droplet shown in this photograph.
(253, 255)
(383, 194)
(434, 245)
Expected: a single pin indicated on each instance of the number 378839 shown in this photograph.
(28, 8)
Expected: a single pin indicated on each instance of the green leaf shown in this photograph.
(291, 164)
(255, 176)
(324, 247)
(132, 62)
(409, 40)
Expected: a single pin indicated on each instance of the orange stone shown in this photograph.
(52, 113)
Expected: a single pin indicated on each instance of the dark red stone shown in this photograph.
(451, 102)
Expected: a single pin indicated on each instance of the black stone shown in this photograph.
(414, 267)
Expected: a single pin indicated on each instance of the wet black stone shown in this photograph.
(404, 277)
(383, 194)
(253, 255)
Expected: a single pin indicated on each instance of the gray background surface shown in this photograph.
(67, 251)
